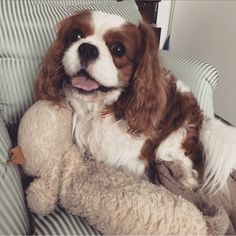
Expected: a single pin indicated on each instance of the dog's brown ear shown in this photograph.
(49, 80)
(143, 104)
(50, 77)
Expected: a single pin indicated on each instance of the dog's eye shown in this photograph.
(75, 35)
(117, 49)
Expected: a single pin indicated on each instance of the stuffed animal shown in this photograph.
(113, 201)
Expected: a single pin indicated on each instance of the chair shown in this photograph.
(27, 31)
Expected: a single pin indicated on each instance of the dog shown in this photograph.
(129, 112)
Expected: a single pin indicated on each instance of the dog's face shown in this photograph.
(103, 57)
(100, 54)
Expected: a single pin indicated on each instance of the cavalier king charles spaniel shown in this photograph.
(128, 111)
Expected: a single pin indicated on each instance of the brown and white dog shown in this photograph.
(128, 111)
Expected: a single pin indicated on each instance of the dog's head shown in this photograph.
(95, 52)
(102, 56)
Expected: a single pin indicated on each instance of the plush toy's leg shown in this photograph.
(117, 203)
(71, 162)
(42, 194)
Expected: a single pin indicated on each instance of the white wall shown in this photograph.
(207, 30)
(164, 9)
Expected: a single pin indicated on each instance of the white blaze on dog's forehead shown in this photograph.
(104, 21)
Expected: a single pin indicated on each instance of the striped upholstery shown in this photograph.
(13, 214)
(200, 76)
(61, 223)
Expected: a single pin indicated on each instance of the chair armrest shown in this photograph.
(199, 76)
(14, 218)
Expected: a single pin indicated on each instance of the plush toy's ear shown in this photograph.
(143, 103)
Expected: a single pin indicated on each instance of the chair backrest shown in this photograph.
(201, 77)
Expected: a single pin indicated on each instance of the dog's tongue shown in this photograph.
(84, 83)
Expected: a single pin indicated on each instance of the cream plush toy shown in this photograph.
(113, 201)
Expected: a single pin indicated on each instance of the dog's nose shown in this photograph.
(88, 52)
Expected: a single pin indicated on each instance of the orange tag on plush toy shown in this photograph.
(16, 156)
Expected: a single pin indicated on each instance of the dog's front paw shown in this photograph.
(40, 199)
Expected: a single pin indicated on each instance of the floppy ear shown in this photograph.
(49, 81)
(51, 74)
(143, 103)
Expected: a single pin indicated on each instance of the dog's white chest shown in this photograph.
(107, 140)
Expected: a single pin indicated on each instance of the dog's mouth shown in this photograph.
(86, 84)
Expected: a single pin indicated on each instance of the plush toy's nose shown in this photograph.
(88, 52)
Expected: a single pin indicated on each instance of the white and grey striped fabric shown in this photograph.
(200, 76)
(13, 213)
(62, 223)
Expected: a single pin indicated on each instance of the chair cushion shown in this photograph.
(13, 212)
(60, 222)
(27, 30)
